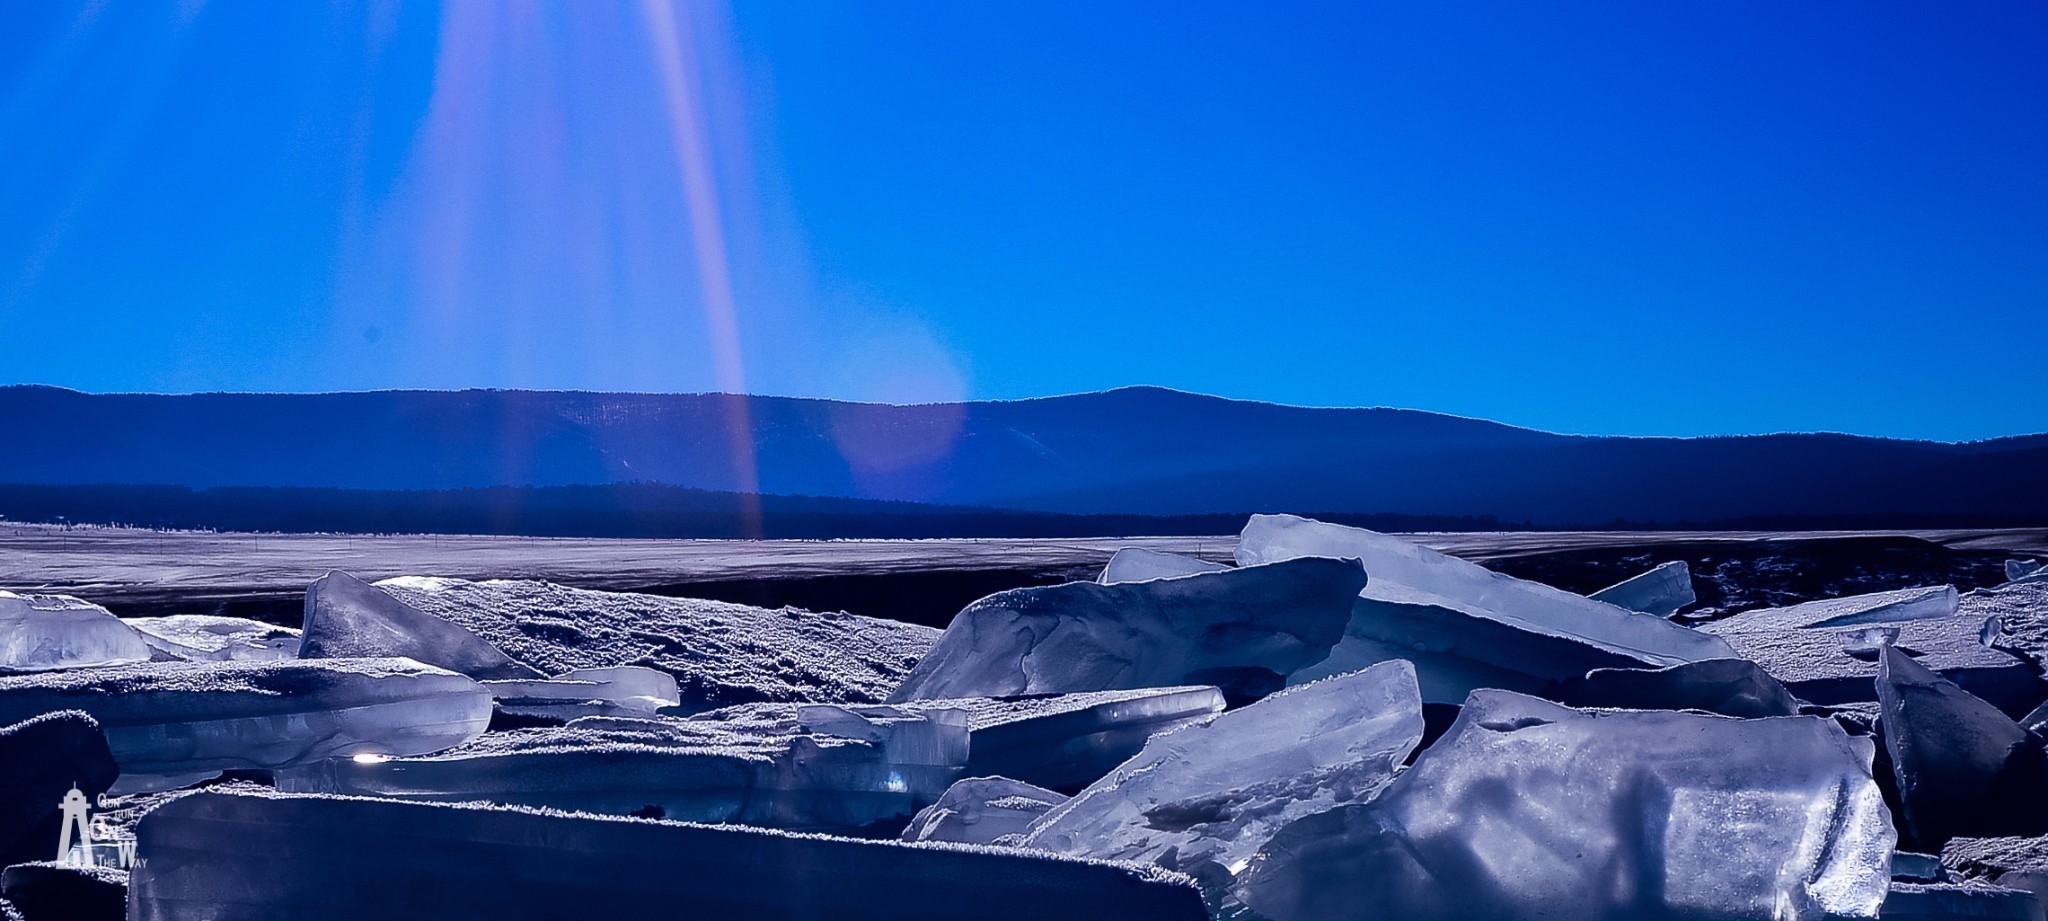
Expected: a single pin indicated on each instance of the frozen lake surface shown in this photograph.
(139, 571)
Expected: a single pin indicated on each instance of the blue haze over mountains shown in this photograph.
(1137, 450)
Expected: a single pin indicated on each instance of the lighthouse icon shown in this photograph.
(74, 806)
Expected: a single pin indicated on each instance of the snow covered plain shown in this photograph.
(1287, 726)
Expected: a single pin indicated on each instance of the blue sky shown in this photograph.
(1620, 218)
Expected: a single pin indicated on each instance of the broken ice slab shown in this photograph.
(1662, 591)
(347, 617)
(980, 810)
(1067, 741)
(1826, 651)
(1465, 626)
(623, 690)
(2014, 862)
(39, 632)
(1200, 800)
(1242, 630)
(41, 760)
(1730, 687)
(1963, 768)
(721, 654)
(1527, 809)
(261, 857)
(2024, 570)
(1137, 564)
(1959, 902)
(54, 891)
(1893, 607)
(198, 637)
(801, 766)
(171, 723)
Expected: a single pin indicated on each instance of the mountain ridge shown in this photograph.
(1135, 450)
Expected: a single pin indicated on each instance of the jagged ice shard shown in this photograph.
(1662, 591)
(1242, 630)
(1465, 626)
(1068, 741)
(1202, 799)
(171, 723)
(347, 617)
(1826, 651)
(40, 632)
(1963, 768)
(1137, 564)
(1530, 810)
(981, 810)
(800, 766)
(262, 857)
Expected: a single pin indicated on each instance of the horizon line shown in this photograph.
(1032, 399)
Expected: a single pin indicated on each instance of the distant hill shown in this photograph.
(1135, 451)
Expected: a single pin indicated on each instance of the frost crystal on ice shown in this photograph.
(1959, 902)
(1243, 630)
(1962, 767)
(1200, 800)
(223, 639)
(1137, 564)
(2014, 862)
(979, 810)
(1662, 591)
(262, 857)
(1465, 626)
(346, 617)
(808, 766)
(1530, 810)
(721, 654)
(170, 723)
(1068, 741)
(58, 631)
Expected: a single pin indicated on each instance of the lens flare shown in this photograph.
(688, 127)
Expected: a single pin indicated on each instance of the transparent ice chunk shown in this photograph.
(1662, 591)
(1067, 741)
(1137, 564)
(1242, 630)
(980, 810)
(40, 632)
(169, 723)
(1963, 768)
(252, 856)
(617, 691)
(1465, 626)
(1202, 799)
(347, 617)
(801, 766)
(197, 637)
(1527, 809)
